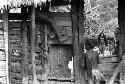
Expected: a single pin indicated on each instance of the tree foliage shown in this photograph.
(101, 15)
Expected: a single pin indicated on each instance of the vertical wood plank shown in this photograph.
(75, 34)
(78, 41)
(121, 22)
(81, 41)
(24, 47)
(36, 36)
(5, 24)
(32, 37)
(45, 41)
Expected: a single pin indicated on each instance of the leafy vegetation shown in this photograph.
(101, 15)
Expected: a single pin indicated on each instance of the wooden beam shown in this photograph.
(24, 47)
(60, 2)
(12, 16)
(43, 18)
(45, 41)
(32, 37)
(76, 48)
(122, 34)
(36, 36)
(18, 16)
(76, 27)
(121, 21)
(5, 25)
(81, 40)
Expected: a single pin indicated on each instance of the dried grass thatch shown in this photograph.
(18, 3)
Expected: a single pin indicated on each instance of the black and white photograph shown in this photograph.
(62, 42)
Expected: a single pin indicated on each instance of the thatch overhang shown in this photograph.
(17, 3)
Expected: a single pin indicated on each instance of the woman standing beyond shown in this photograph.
(91, 63)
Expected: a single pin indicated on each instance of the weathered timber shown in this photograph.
(5, 24)
(63, 20)
(15, 37)
(121, 22)
(76, 48)
(58, 82)
(122, 35)
(2, 66)
(61, 79)
(107, 67)
(32, 44)
(17, 32)
(79, 77)
(45, 53)
(81, 40)
(24, 47)
(59, 56)
(1, 37)
(18, 16)
(119, 68)
(112, 59)
(16, 25)
(43, 18)
(15, 52)
(36, 36)
(45, 41)
(2, 55)
(44, 50)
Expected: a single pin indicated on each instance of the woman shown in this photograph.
(91, 62)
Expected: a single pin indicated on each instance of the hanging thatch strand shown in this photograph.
(18, 3)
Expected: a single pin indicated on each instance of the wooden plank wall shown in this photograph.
(63, 22)
(60, 55)
(3, 73)
(15, 55)
(55, 53)
(107, 65)
(15, 52)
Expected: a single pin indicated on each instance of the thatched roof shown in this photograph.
(18, 3)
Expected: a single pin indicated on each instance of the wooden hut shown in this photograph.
(36, 50)
(38, 44)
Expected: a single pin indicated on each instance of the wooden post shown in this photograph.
(76, 27)
(81, 41)
(5, 25)
(36, 37)
(32, 37)
(121, 21)
(122, 48)
(122, 34)
(24, 47)
(45, 41)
